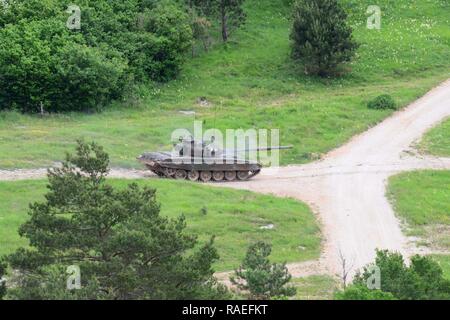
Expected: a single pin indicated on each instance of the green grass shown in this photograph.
(437, 140)
(421, 198)
(234, 217)
(314, 288)
(252, 83)
(444, 261)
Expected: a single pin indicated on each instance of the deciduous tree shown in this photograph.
(422, 280)
(229, 14)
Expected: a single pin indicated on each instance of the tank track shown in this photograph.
(203, 176)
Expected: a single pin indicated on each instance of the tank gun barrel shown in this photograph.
(260, 149)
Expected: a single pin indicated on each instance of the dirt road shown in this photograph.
(347, 188)
(27, 174)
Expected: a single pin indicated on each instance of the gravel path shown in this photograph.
(27, 174)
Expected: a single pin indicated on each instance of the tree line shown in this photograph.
(44, 65)
(47, 67)
(421, 279)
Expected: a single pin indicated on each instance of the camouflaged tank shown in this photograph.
(200, 161)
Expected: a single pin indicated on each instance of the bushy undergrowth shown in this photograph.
(422, 279)
(44, 65)
(384, 101)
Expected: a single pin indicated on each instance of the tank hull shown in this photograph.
(200, 169)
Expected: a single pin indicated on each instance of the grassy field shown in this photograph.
(437, 140)
(315, 288)
(234, 217)
(421, 198)
(444, 261)
(252, 83)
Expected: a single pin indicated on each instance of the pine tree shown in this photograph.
(123, 247)
(261, 278)
(321, 38)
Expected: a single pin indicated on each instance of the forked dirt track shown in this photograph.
(347, 189)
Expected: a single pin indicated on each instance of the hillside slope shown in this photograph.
(252, 82)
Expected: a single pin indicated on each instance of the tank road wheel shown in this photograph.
(154, 170)
(230, 175)
(158, 173)
(243, 175)
(205, 176)
(193, 175)
(169, 172)
(180, 175)
(218, 176)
